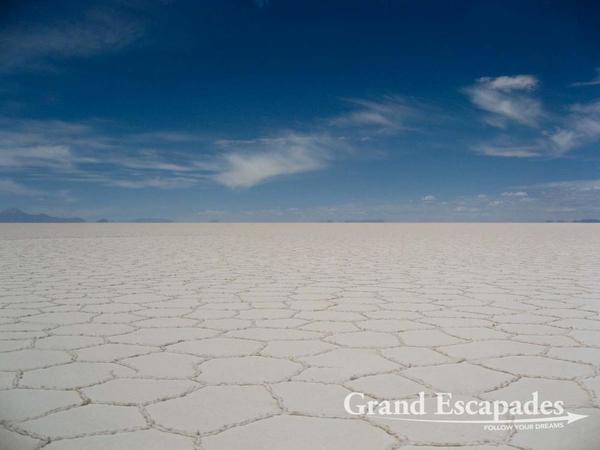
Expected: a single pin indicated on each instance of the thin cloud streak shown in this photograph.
(84, 152)
(507, 150)
(12, 187)
(389, 115)
(38, 45)
(593, 82)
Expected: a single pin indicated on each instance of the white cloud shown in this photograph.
(167, 136)
(14, 188)
(36, 156)
(37, 45)
(51, 144)
(391, 114)
(270, 158)
(562, 139)
(163, 160)
(83, 152)
(508, 151)
(518, 194)
(152, 182)
(581, 127)
(507, 99)
(593, 82)
(572, 186)
(429, 198)
(99, 152)
(507, 83)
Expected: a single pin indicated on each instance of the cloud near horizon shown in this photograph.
(567, 200)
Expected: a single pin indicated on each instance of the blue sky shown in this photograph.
(301, 110)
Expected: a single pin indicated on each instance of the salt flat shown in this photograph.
(249, 336)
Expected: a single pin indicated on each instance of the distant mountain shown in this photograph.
(14, 215)
(354, 221)
(574, 221)
(151, 220)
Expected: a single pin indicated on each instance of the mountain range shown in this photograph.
(14, 215)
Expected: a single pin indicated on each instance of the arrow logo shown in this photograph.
(569, 418)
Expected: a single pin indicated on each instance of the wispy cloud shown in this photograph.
(37, 156)
(254, 162)
(391, 114)
(102, 152)
(162, 160)
(153, 182)
(580, 127)
(36, 45)
(12, 187)
(507, 150)
(515, 194)
(85, 152)
(593, 82)
(507, 99)
(48, 144)
(592, 186)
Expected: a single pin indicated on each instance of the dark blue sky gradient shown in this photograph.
(223, 78)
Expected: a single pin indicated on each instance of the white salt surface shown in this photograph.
(249, 336)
